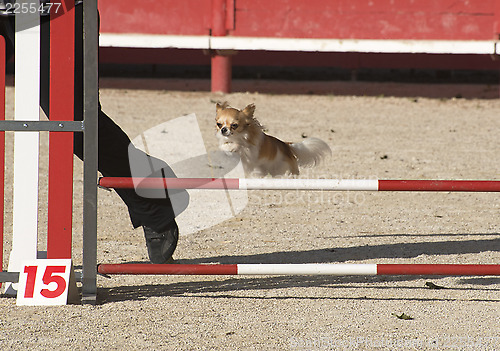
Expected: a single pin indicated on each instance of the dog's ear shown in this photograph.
(220, 106)
(249, 110)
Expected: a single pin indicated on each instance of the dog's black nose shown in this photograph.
(224, 130)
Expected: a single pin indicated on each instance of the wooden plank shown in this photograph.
(26, 144)
(425, 20)
(370, 6)
(186, 17)
(62, 49)
(356, 19)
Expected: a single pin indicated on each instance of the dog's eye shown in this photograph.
(219, 125)
(234, 126)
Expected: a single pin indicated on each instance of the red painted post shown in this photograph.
(496, 27)
(221, 63)
(221, 73)
(2, 145)
(61, 105)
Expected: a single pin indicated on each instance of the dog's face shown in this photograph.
(231, 121)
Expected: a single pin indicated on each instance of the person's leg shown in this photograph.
(155, 215)
(114, 154)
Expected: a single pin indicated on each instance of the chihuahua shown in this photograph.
(240, 132)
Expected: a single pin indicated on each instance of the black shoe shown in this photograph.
(161, 246)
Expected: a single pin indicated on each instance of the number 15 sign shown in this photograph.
(44, 282)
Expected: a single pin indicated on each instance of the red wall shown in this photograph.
(341, 19)
(367, 19)
(354, 19)
(175, 17)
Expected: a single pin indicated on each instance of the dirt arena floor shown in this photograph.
(391, 131)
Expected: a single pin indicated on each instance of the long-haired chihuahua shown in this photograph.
(240, 132)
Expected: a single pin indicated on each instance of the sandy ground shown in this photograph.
(371, 137)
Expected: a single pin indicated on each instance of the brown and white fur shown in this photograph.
(240, 132)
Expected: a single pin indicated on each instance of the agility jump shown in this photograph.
(59, 242)
(307, 185)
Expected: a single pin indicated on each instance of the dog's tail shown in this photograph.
(310, 152)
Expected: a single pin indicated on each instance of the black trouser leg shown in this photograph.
(114, 144)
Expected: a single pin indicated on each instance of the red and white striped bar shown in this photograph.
(302, 269)
(303, 184)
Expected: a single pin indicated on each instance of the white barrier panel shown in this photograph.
(26, 144)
